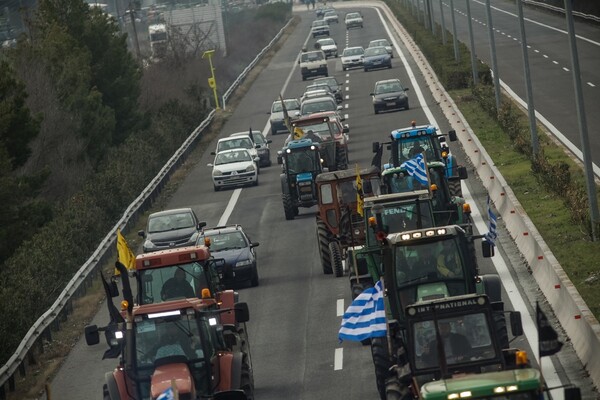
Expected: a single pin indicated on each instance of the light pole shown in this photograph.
(212, 83)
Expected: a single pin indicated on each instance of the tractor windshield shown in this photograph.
(173, 337)
(157, 285)
(298, 162)
(409, 148)
(464, 338)
(321, 128)
(399, 217)
(427, 270)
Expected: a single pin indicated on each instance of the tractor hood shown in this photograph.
(164, 374)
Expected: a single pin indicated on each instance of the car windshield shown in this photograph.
(353, 15)
(316, 56)
(330, 14)
(388, 87)
(375, 51)
(289, 105)
(237, 143)
(227, 241)
(376, 43)
(319, 23)
(319, 106)
(258, 138)
(170, 222)
(331, 82)
(353, 52)
(318, 86)
(230, 157)
(326, 42)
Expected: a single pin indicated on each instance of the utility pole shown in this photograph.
(135, 36)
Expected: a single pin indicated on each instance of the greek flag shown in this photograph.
(491, 235)
(416, 168)
(365, 318)
(167, 395)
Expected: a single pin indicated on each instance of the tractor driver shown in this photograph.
(177, 287)
(456, 346)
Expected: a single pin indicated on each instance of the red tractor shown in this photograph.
(178, 343)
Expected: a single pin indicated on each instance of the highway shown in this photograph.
(549, 61)
(296, 311)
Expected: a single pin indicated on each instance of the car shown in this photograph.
(233, 168)
(313, 63)
(352, 57)
(277, 118)
(322, 9)
(319, 28)
(389, 94)
(169, 229)
(353, 20)
(376, 57)
(262, 146)
(331, 16)
(382, 42)
(239, 142)
(232, 245)
(335, 86)
(313, 94)
(328, 46)
(319, 104)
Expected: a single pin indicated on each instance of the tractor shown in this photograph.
(406, 143)
(179, 343)
(333, 137)
(339, 220)
(301, 163)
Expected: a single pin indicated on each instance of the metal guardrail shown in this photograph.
(42, 328)
(590, 17)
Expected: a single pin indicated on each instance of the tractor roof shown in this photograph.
(346, 173)
(173, 307)
(413, 131)
(301, 143)
(169, 257)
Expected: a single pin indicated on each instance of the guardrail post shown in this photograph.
(11, 383)
(2, 393)
(22, 369)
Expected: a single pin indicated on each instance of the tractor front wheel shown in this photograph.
(335, 255)
(288, 207)
(247, 381)
(323, 238)
(381, 361)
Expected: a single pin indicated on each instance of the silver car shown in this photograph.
(382, 42)
(277, 115)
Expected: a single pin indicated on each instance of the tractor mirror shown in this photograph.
(92, 336)
(242, 314)
(452, 136)
(462, 173)
(516, 325)
(487, 249)
(113, 289)
(346, 129)
(572, 393)
(376, 147)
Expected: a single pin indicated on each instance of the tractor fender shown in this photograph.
(492, 287)
(236, 370)
(115, 384)
(227, 300)
(225, 366)
(285, 188)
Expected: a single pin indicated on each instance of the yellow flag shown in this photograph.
(360, 196)
(125, 255)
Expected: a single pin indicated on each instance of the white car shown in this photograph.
(238, 142)
(353, 20)
(328, 46)
(331, 16)
(352, 57)
(233, 168)
(382, 42)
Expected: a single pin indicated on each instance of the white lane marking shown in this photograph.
(555, 62)
(591, 84)
(230, 206)
(345, 116)
(340, 307)
(347, 75)
(346, 105)
(545, 55)
(515, 298)
(347, 88)
(347, 96)
(347, 81)
(338, 362)
(565, 69)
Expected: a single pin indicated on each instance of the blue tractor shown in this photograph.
(301, 161)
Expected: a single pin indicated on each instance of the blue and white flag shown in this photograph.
(491, 235)
(365, 318)
(167, 395)
(416, 168)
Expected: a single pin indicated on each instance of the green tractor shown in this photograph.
(301, 163)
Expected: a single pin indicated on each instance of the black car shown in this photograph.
(171, 228)
(335, 86)
(389, 94)
(231, 244)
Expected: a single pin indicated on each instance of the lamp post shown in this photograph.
(212, 83)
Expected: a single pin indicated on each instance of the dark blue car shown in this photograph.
(376, 57)
(231, 244)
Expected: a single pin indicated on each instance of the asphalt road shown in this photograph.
(296, 311)
(549, 61)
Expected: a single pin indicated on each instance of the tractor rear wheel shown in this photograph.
(454, 187)
(105, 394)
(341, 158)
(501, 330)
(381, 361)
(288, 207)
(323, 239)
(335, 255)
(247, 382)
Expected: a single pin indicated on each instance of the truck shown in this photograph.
(158, 39)
(313, 63)
(339, 220)
(177, 342)
(301, 163)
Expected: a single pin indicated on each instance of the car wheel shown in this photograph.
(344, 68)
(273, 131)
(216, 188)
(366, 69)
(376, 110)
(254, 280)
(407, 106)
(390, 66)
(256, 181)
(303, 77)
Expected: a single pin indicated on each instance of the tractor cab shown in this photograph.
(408, 142)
